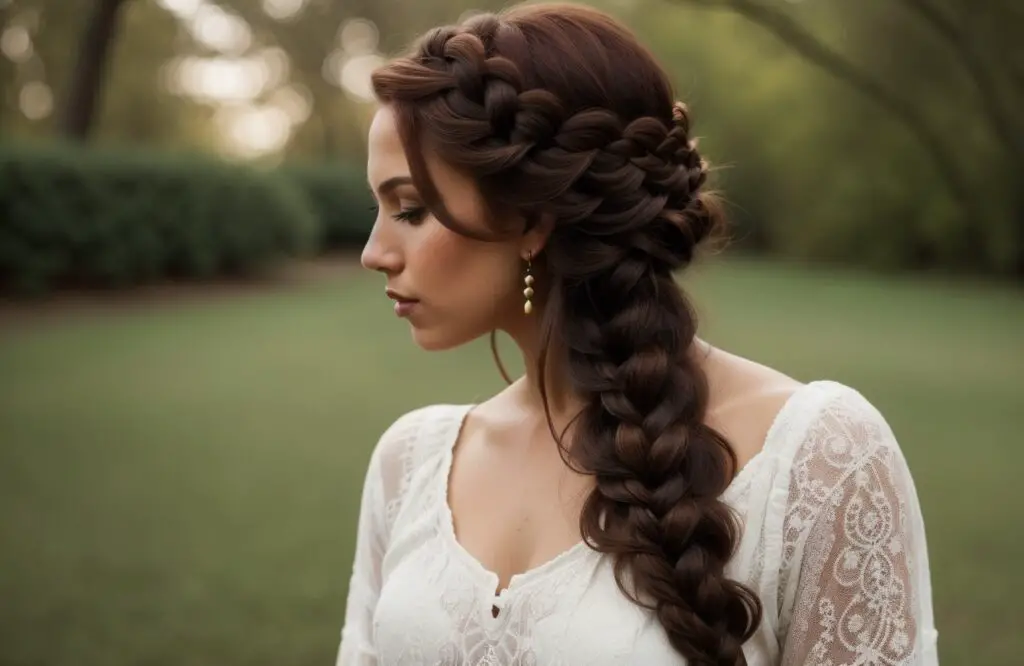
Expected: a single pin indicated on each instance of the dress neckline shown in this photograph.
(447, 527)
(518, 581)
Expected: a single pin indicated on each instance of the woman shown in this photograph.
(639, 497)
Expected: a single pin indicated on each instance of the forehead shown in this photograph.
(387, 158)
(385, 154)
(458, 191)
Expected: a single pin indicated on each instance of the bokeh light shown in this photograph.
(278, 65)
(252, 131)
(16, 44)
(283, 10)
(219, 79)
(355, 75)
(358, 36)
(295, 100)
(220, 30)
(350, 65)
(36, 100)
(181, 8)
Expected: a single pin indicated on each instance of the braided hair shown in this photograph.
(557, 111)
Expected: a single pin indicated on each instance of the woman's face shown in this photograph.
(450, 288)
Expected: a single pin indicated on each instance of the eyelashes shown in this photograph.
(411, 215)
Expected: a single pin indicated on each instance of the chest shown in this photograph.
(514, 509)
(434, 609)
(436, 601)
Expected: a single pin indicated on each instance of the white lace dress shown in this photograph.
(833, 543)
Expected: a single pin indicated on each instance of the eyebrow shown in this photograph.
(392, 183)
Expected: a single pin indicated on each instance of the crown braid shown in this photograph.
(590, 161)
(625, 191)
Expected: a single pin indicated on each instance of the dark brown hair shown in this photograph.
(558, 111)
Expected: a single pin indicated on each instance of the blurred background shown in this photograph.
(193, 370)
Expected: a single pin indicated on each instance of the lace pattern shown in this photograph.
(854, 562)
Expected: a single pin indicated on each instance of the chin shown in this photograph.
(438, 339)
(433, 340)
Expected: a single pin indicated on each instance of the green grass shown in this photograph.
(179, 483)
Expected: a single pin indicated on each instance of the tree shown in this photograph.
(979, 37)
(94, 46)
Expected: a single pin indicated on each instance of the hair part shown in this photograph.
(558, 111)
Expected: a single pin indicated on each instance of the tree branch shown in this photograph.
(785, 28)
(1011, 20)
(1001, 121)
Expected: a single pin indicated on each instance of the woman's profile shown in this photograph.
(639, 496)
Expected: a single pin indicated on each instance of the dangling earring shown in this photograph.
(528, 281)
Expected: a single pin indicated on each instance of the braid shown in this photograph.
(625, 190)
(659, 470)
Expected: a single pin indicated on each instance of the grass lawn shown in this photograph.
(179, 482)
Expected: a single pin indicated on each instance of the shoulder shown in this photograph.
(831, 419)
(410, 440)
(420, 428)
(397, 454)
(746, 400)
(836, 445)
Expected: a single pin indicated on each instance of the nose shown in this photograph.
(381, 252)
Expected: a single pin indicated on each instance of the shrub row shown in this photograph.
(339, 198)
(76, 217)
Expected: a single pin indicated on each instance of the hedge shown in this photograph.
(75, 217)
(341, 199)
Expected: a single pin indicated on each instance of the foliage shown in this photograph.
(339, 196)
(816, 168)
(71, 217)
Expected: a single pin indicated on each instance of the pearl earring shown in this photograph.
(528, 281)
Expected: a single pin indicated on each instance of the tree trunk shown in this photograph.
(90, 66)
(8, 96)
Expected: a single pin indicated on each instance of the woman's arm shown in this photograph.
(365, 581)
(860, 589)
(382, 490)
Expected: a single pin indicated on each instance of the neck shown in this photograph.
(556, 390)
(548, 385)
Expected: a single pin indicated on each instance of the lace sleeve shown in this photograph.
(855, 581)
(382, 488)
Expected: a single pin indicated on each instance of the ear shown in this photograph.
(536, 237)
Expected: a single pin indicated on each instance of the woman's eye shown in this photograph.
(411, 215)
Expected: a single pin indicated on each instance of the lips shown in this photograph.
(397, 295)
(404, 305)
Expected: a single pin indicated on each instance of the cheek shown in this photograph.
(473, 277)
